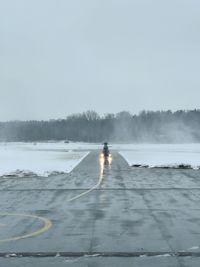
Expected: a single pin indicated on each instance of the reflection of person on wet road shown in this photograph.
(106, 151)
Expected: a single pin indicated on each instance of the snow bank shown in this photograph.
(23, 160)
(163, 156)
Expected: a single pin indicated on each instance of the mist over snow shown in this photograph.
(146, 127)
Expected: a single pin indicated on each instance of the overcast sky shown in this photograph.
(66, 56)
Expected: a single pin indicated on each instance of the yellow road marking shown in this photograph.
(47, 222)
(46, 227)
(88, 191)
(95, 186)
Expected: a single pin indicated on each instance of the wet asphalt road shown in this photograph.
(136, 217)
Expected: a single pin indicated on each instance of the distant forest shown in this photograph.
(148, 126)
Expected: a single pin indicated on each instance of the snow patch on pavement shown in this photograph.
(164, 255)
(193, 248)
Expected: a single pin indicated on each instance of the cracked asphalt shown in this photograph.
(135, 217)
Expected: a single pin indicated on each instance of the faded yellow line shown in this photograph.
(88, 191)
(94, 187)
(46, 227)
(47, 222)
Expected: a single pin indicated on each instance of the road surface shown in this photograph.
(101, 215)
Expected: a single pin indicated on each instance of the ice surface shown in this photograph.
(24, 159)
(173, 156)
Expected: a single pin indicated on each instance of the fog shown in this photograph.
(157, 127)
(62, 57)
(146, 127)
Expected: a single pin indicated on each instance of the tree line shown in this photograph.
(147, 126)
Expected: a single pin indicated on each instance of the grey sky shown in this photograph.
(59, 57)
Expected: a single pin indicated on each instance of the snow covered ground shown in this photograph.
(166, 155)
(45, 159)
(48, 158)
(53, 146)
